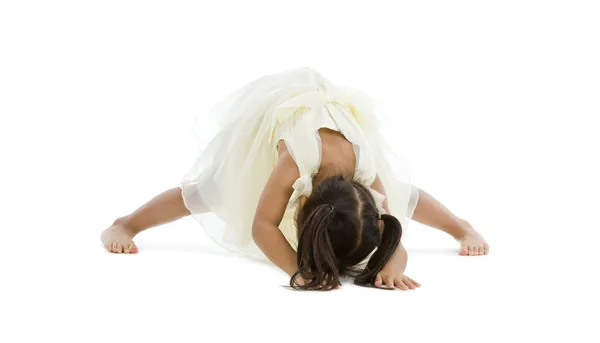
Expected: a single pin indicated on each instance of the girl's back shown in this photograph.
(326, 129)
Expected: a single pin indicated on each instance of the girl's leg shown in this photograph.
(164, 208)
(432, 213)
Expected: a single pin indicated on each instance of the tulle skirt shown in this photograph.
(223, 187)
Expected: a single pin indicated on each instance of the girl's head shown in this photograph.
(338, 227)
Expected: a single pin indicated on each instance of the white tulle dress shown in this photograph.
(224, 185)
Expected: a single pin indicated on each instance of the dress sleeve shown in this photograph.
(379, 199)
(302, 187)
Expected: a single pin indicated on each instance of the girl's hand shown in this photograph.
(385, 279)
(392, 274)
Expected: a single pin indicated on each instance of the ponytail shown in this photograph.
(317, 262)
(392, 232)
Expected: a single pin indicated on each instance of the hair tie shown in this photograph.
(331, 208)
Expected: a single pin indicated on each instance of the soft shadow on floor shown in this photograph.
(218, 251)
(434, 251)
(179, 248)
(196, 249)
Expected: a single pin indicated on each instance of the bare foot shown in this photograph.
(119, 239)
(472, 243)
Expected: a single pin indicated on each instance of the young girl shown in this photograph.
(299, 173)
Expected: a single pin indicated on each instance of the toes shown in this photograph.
(389, 283)
(409, 284)
(470, 251)
(486, 249)
(464, 251)
(475, 251)
(130, 248)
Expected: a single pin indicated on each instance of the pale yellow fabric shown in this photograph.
(223, 187)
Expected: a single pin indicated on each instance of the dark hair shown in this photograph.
(338, 228)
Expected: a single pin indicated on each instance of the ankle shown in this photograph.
(125, 223)
(459, 229)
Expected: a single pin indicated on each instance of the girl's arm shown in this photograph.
(270, 211)
(400, 251)
(378, 186)
(392, 274)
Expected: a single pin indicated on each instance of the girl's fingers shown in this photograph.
(401, 285)
(378, 280)
(403, 282)
(414, 282)
(408, 283)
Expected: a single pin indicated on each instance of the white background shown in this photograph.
(496, 102)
